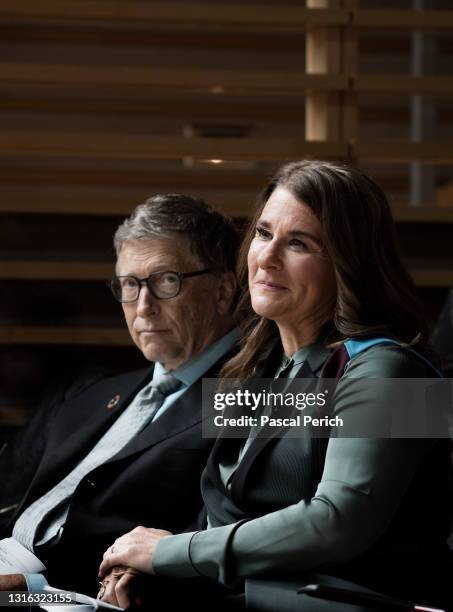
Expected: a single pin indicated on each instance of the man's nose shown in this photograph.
(146, 302)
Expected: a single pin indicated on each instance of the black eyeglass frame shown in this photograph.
(146, 281)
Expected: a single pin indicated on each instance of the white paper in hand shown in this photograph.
(16, 559)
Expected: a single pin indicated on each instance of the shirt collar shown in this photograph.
(300, 355)
(288, 363)
(194, 369)
(315, 353)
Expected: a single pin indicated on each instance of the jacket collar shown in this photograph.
(311, 368)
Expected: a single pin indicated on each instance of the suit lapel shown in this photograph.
(303, 380)
(80, 427)
(226, 447)
(184, 413)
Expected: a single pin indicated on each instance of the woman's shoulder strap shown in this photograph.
(355, 347)
(336, 364)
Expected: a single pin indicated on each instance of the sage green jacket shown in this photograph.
(378, 514)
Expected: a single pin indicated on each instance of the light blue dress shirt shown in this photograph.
(193, 370)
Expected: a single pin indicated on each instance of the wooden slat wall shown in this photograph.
(105, 102)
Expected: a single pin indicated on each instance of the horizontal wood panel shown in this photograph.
(138, 147)
(94, 173)
(403, 152)
(405, 19)
(209, 38)
(397, 83)
(55, 270)
(269, 108)
(64, 202)
(216, 82)
(401, 114)
(21, 175)
(146, 14)
(232, 38)
(29, 335)
(190, 79)
(279, 109)
(151, 14)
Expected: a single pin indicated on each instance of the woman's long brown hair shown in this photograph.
(375, 294)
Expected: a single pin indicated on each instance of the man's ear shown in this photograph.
(226, 292)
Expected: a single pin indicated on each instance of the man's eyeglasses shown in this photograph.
(162, 285)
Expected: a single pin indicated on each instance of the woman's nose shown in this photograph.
(269, 257)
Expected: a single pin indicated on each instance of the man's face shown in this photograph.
(172, 331)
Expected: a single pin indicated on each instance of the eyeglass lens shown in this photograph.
(162, 285)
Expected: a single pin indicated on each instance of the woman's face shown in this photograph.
(291, 278)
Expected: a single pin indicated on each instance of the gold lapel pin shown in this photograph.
(113, 402)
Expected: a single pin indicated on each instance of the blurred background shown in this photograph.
(106, 102)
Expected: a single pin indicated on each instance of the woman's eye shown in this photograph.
(298, 243)
(262, 233)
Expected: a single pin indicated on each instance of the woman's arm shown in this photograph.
(362, 486)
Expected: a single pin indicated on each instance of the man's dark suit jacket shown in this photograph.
(153, 481)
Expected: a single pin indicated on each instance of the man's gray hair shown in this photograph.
(212, 235)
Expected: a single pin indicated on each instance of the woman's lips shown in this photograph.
(268, 286)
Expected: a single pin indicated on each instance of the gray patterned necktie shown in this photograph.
(154, 394)
(42, 521)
